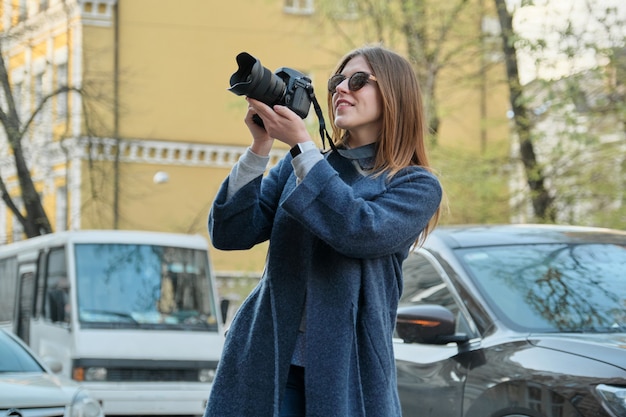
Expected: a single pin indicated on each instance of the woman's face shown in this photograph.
(359, 112)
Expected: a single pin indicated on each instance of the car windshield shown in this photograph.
(14, 358)
(148, 286)
(553, 287)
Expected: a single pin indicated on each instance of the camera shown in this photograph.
(286, 86)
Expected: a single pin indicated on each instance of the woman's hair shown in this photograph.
(401, 142)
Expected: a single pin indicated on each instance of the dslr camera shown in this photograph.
(286, 86)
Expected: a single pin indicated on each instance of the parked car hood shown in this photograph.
(33, 390)
(604, 347)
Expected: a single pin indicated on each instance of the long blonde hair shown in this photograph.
(401, 142)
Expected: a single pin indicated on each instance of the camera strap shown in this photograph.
(348, 154)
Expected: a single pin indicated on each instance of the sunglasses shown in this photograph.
(355, 82)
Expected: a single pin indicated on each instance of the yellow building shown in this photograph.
(155, 131)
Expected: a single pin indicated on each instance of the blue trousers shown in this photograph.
(293, 404)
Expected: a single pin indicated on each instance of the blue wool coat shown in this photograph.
(337, 243)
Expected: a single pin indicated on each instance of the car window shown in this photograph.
(424, 285)
(14, 358)
(553, 287)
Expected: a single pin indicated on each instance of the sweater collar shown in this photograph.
(364, 155)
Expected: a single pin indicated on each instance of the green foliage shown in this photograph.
(571, 118)
(578, 123)
(475, 185)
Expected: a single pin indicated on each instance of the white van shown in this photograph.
(132, 316)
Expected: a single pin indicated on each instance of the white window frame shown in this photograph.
(302, 7)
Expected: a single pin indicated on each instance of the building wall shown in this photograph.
(158, 73)
(176, 63)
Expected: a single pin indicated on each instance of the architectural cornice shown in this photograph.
(39, 24)
(164, 152)
(134, 151)
(97, 12)
(58, 14)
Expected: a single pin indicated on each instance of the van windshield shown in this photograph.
(157, 287)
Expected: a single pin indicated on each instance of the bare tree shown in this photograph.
(555, 154)
(453, 41)
(428, 48)
(429, 30)
(96, 106)
(541, 199)
(34, 219)
(570, 119)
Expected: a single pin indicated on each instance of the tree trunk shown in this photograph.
(414, 29)
(543, 203)
(34, 221)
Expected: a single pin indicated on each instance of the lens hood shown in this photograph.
(254, 80)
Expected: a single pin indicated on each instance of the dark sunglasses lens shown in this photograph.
(358, 81)
(334, 81)
(355, 82)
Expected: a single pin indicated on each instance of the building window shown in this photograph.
(22, 11)
(17, 98)
(491, 41)
(299, 6)
(38, 96)
(61, 209)
(61, 99)
(345, 9)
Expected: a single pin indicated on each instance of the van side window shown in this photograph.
(8, 285)
(25, 305)
(40, 285)
(57, 288)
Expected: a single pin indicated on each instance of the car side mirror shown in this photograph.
(54, 364)
(429, 324)
(224, 307)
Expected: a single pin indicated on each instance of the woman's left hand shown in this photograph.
(281, 123)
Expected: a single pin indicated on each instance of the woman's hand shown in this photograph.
(261, 140)
(280, 123)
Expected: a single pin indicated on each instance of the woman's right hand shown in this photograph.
(261, 140)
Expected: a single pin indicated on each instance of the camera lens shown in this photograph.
(255, 81)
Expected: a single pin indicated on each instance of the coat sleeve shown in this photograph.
(386, 223)
(246, 218)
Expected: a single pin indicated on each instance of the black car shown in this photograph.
(514, 320)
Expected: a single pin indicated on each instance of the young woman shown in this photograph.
(314, 337)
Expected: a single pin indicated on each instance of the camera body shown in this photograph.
(286, 86)
(297, 88)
